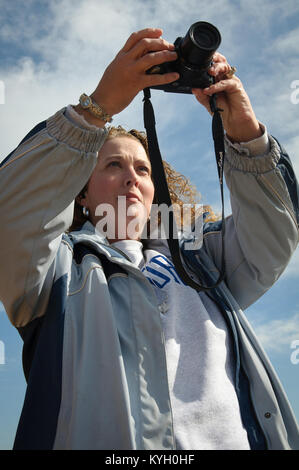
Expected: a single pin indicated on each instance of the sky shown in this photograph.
(52, 51)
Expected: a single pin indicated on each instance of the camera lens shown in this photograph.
(205, 35)
(199, 44)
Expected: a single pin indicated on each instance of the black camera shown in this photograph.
(195, 52)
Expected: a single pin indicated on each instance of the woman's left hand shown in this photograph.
(239, 120)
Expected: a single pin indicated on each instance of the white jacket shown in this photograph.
(87, 388)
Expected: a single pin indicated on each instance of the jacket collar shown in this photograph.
(88, 234)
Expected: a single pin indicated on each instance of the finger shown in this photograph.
(230, 85)
(156, 58)
(146, 45)
(138, 35)
(202, 98)
(219, 69)
(217, 57)
(160, 79)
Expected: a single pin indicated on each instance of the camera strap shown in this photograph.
(161, 187)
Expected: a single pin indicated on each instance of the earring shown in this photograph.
(85, 211)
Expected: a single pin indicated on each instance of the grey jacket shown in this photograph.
(94, 355)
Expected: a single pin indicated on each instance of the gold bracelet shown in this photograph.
(95, 109)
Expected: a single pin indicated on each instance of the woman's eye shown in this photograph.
(144, 169)
(114, 163)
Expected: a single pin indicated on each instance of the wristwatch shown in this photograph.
(95, 109)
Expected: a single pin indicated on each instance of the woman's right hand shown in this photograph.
(126, 74)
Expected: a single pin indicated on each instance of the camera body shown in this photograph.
(195, 52)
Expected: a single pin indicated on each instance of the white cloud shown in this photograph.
(278, 335)
(2, 353)
(292, 270)
(287, 44)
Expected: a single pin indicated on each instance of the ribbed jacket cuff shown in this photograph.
(260, 164)
(63, 130)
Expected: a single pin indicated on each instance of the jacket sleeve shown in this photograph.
(262, 232)
(39, 182)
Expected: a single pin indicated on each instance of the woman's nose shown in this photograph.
(131, 178)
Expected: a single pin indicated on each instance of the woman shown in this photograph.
(118, 352)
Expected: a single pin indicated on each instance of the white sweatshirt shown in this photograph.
(200, 367)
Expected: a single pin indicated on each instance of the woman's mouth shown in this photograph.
(132, 197)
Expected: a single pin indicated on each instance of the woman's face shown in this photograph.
(123, 169)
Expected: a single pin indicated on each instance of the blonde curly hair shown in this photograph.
(180, 188)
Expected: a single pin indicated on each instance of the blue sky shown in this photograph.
(52, 51)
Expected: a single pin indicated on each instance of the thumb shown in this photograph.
(202, 98)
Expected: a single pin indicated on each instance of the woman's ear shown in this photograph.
(81, 198)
